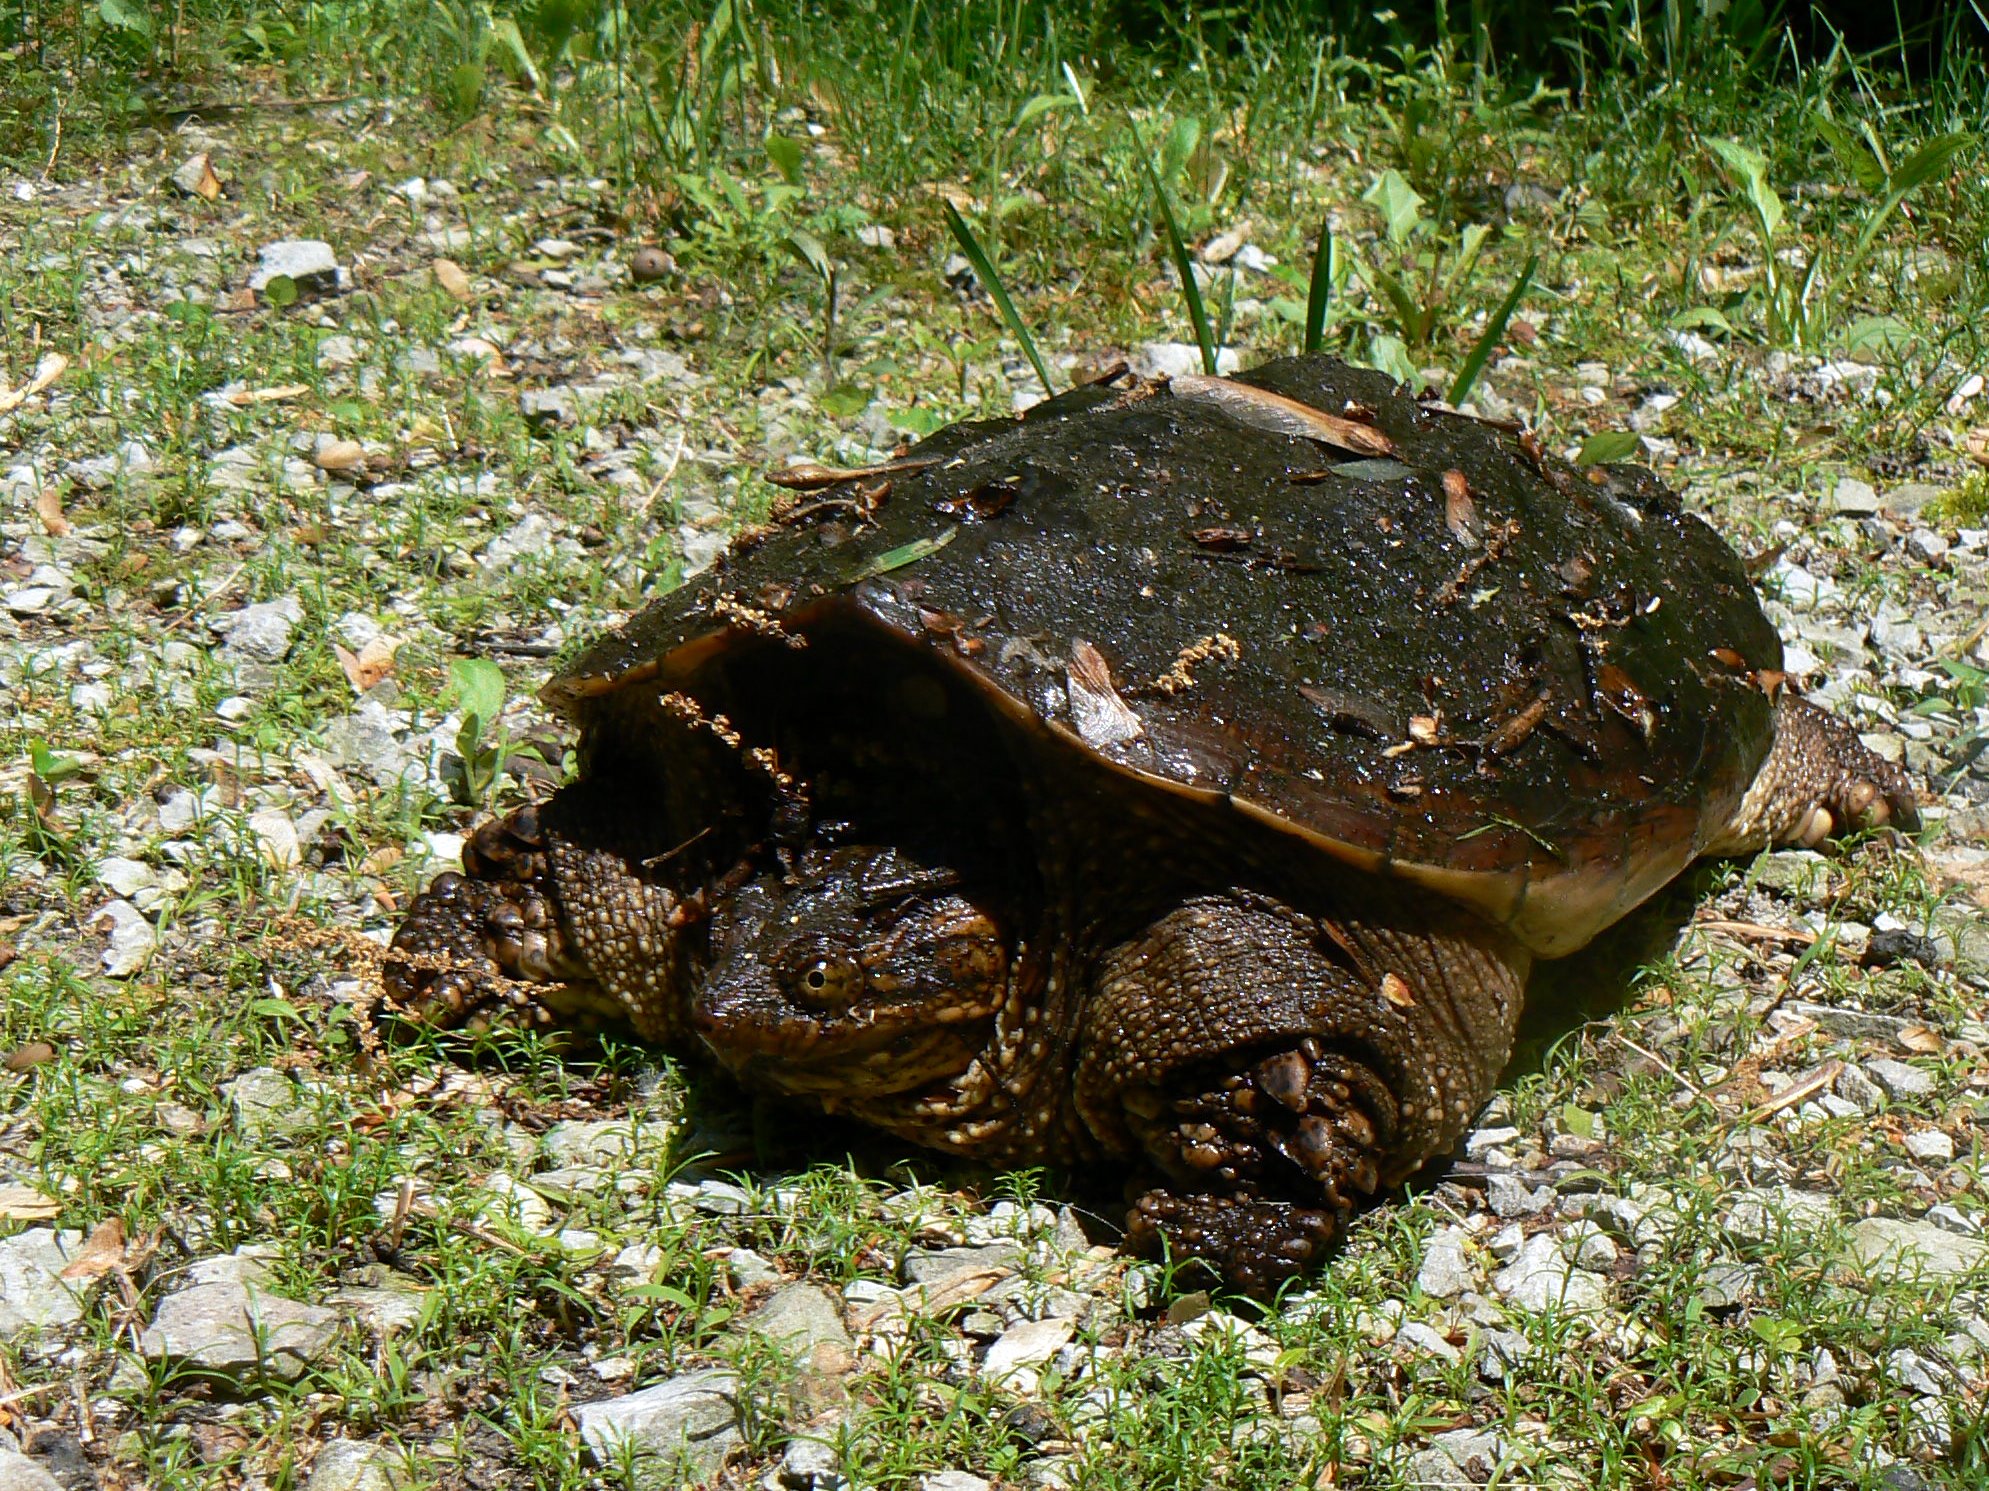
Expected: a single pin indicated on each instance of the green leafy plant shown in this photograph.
(477, 686)
(1428, 277)
(991, 281)
(1184, 264)
(1802, 309)
(1495, 327)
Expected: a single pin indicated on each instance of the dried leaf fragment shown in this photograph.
(1460, 514)
(1395, 989)
(26, 1204)
(454, 282)
(1101, 716)
(51, 367)
(241, 398)
(1263, 410)
(340, 455)
(195, 177)
(102, 1251)
(48, 507)
(370, 664)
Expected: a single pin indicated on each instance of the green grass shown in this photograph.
(696, 126)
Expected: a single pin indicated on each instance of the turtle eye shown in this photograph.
(829, 982)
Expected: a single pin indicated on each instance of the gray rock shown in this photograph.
(1950, 1219)
(1539, 1278)
(1433, 1468)
(1929, 1146)
(1511, 1197)
(128, 938)
(1180, 359)
(615, 1143)
(1504, 1350)
(929, 1267)
(1900, 1081)
(746, 1269)
(1926, 545)
(676, 1431)
(32, 1295)
(1903, 502)
(1023, 1346)
(1724, 1285)
(265, 1102)
(1890, 1249)
(262, 633)
(1855, 1087)
(530, 536)
(1852, 498)
(367, 741)
(1587, 1246)
(546, 407)
(337, 352)
(1761, 1215)
(953, 1480)
(809, 1465)
(308, 263)
(798, 1318)
(1862, 1025)
(354, 1465)
(1419, 1336)
(237, 1329)
(1920, 1374)
(385, 1312)
(1445, 1272)
(19, 1473)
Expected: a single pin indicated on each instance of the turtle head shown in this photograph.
(853, 972)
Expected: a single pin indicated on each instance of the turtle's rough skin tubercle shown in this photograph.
(1819, 781)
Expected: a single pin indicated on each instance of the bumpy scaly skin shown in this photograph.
(1279, 1068)
(548, 925)
(1819, 780)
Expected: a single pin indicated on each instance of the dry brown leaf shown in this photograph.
(370, 664)
(25, 1057)
(241, 398)
(485, 352)
(47, 371)
(102, 1251)
(1920, 1040)
(26, 1204)
(340, 455)
(450, 276)
(48, 507)
(196, 177)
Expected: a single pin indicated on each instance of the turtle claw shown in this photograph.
(1254, 1245)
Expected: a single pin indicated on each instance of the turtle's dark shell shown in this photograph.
(1463, 663)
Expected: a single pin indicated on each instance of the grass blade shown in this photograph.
(1183, 265)
(997, 291)
(1481, 350)
(1319, 294)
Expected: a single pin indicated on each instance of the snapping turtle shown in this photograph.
(1182, 775)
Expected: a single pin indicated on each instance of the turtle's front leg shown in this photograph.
(555, 920)
(1279, 1068)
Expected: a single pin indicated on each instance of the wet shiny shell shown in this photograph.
(1460, 662)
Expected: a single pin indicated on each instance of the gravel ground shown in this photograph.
(1724, 1224)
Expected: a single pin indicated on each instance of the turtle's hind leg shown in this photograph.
(1819, 780)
